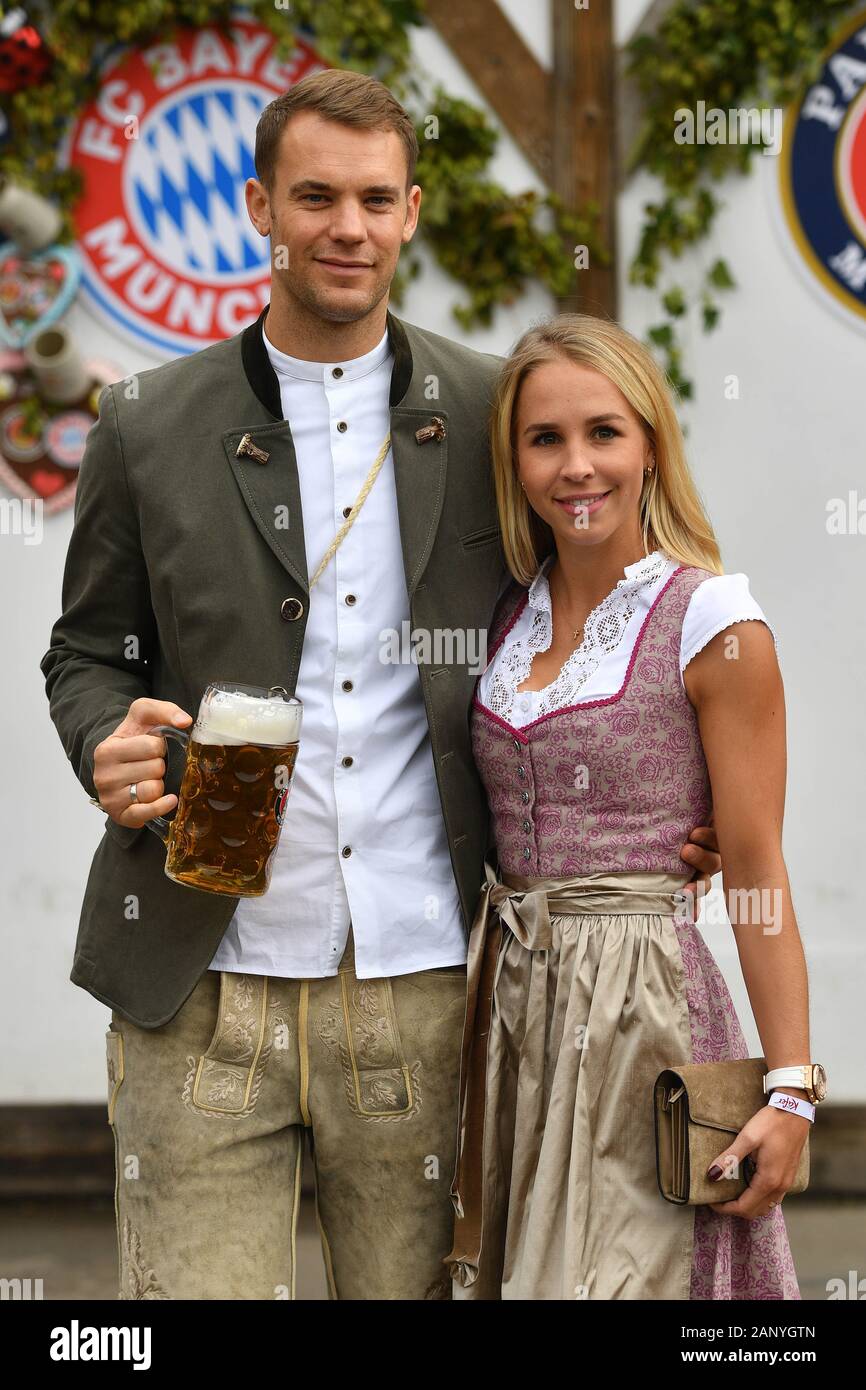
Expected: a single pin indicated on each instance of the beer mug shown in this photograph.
(240, 756)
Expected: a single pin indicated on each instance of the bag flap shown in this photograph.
(723, 1095)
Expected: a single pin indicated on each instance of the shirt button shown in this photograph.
(527, 826)
(527, 853)
(521, 771)
(346, 851)
(347, 685)
(347, 762)
(524, 797)
(338, 371)
(350, 599)
(342, 427)
(516, 743)
(346, 511)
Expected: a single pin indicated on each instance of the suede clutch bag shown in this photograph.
(699, 1108)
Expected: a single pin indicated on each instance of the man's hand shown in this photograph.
(132, 755)
(701, 852)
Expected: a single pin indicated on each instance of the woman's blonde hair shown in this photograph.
(672, 514)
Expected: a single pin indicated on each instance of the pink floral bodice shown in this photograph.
(613, 785)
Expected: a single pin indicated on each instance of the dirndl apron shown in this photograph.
(583, 983)
(576, 1001)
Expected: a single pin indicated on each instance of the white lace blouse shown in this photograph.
(597, 668)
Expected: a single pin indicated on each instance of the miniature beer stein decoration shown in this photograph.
(62, 376)
(26, 217)
(240, 757)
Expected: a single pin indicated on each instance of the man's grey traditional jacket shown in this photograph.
(177, 574)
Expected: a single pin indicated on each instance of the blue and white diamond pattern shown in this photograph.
(185, 181)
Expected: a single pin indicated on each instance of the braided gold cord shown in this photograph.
(359, 502)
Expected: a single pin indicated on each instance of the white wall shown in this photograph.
(766, 465)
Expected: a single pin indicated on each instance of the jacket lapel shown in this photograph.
(271, 491)
(269, 486)
(419, 476)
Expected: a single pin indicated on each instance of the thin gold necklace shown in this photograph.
(575, 633)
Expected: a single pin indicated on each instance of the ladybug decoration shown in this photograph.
(24, 58)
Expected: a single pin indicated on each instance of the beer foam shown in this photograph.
(231, 716)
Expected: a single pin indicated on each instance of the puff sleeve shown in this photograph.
(719, 602)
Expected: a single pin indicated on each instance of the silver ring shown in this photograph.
(133, 791)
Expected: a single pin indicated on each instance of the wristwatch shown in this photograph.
(811, 1078)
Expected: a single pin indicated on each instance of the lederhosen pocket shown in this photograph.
(379, 1081)
(229, 1074)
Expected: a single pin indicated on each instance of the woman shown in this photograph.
(631, 687)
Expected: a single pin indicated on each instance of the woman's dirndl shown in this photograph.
(584, 982)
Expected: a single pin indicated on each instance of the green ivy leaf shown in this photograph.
(662, 335)
(720, 276)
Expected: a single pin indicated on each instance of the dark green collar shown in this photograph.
(263, 378)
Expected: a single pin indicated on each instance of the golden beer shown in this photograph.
(240, 757)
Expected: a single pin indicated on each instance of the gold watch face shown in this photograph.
(819, 1081)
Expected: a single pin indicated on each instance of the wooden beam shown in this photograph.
(584, 137)
(505, 71)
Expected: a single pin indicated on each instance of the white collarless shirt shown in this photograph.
(597, 668)
(363, 839)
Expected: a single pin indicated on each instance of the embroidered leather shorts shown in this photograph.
(210, 1113)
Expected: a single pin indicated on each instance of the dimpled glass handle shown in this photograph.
(159, 824)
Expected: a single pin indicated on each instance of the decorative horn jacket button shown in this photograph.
(435, 430)
(251, 450)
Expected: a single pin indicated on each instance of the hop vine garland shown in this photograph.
(492, 242)
(728, 53)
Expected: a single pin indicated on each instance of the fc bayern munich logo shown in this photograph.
(824, 172)
(170, 256)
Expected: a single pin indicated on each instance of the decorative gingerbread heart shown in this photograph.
(35, 290)
(45, 483)
(42, 445)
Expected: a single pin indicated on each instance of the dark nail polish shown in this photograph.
(715, 1173)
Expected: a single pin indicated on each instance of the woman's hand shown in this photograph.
(775, 1140)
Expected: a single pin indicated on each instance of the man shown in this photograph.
(333, 1004)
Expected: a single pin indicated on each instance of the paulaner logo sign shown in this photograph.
(171, 258)
(824, 172)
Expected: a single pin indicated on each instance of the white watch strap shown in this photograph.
(784, 1076)
(780, 1100)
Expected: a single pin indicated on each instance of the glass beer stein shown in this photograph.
(240, 756)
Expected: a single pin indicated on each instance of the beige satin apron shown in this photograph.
(576, 1000)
